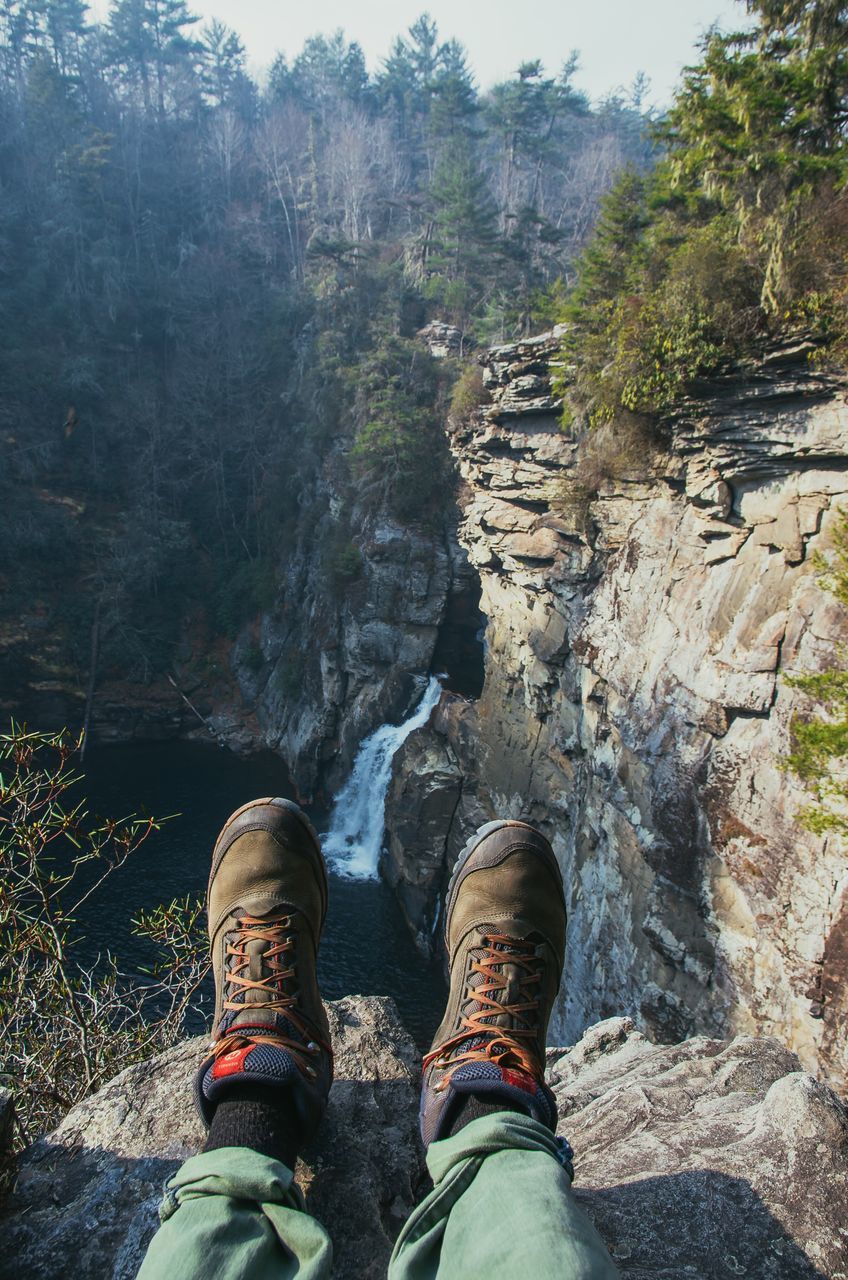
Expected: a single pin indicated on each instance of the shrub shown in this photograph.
(469, 393)
(341, 559)
(819, 755)
(66, 1027)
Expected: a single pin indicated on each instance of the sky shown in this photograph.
(615, 38)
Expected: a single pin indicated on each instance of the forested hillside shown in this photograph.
(736, 237)
(209, 290)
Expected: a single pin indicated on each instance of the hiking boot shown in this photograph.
(266, 903)
(505, 938)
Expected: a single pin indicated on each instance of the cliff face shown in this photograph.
(635, 704)
(750, 1179)
(335, 659)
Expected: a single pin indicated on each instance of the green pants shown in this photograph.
(501, 1205)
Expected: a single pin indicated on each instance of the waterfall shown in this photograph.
(353, 843)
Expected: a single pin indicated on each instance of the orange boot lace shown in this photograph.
(513, 1047)
(279, 932)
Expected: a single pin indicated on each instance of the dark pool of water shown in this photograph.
(366, 948)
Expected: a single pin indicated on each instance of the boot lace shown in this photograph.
(279, 932)
(514, 1046)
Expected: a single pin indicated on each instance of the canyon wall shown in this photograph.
(635, 703)
(335, 659)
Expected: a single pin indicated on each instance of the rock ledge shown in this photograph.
(703, 1159)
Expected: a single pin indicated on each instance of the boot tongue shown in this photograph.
(255, 951)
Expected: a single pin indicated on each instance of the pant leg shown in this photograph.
(236, 1215)
(501, 1205)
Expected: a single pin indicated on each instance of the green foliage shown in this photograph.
(200, 282)
(819, 753)
(469, 393)
(737, 233)
(399, 455)
(65, 1027)
(463, 238)
(341, 559)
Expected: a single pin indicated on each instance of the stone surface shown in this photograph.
(425, 791)
(706, 1158)
(86, 1199)
(331, 662)
(635, 703)
(702, 1159)
(442, 340)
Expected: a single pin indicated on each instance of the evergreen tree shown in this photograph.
(146, 39)
(460, 259)
(453, 97)
(222, 74)
(329, 70)
(66, 27)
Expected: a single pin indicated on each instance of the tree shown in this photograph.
(66, 28)
(328, 71)
(760, 129)
(453, 97)
(222, 74)
(147, 38)
(737, 234)
(460, 260)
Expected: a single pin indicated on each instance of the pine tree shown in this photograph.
(66, 26)
(327, 71)
(453, 97)
(460, 260)
(146, 39)
(222, 74)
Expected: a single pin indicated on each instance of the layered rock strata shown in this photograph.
(636, 704)
(706, 1158)
(331, 662)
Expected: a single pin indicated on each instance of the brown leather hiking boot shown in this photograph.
(505, 938)
(266, 903)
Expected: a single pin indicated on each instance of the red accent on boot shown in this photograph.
(519, 1080)
(229, 1064)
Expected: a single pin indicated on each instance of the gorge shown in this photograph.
(428, 452)
(635, 703)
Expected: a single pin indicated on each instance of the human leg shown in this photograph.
(501, 1203)
(501, 1196)
(234, 1210)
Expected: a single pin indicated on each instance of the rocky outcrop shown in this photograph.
(86, 1198)
(337, 656)
(704, 1158)
(635, 702)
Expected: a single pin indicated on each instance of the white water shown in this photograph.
(353, 843)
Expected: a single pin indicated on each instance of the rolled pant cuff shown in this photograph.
(502, 1131)
(236, 1172)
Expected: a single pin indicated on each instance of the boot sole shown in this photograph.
(279, 803)
(462, 867)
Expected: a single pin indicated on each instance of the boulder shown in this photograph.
(706, 1158)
